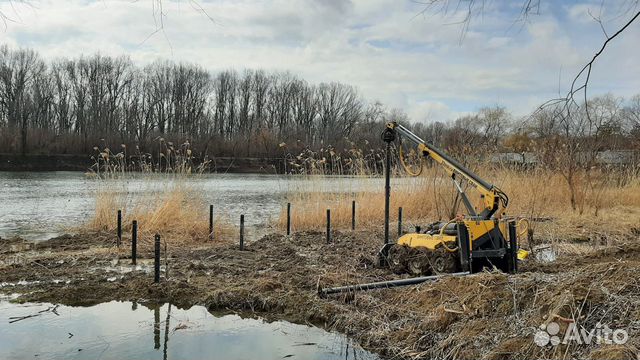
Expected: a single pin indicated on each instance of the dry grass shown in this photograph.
(309, 207)
(175, 212)
(608, 205)
(468, 308)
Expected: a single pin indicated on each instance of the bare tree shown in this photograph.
(339, 110)
(631, 119)
(19, 70)
(570, 142)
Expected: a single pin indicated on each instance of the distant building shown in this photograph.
(511, 158)
(608, 157)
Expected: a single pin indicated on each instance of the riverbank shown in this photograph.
(70, 162)
(488, 315)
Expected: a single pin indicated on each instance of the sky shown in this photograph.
(421, 63)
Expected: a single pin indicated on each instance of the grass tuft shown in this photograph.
(175, 210)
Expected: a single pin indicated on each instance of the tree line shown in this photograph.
(69, 106)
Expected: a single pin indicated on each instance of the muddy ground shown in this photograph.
(488, 315)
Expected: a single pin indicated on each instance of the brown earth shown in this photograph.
(488, 315)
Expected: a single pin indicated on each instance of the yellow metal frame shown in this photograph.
(475, 228)
(490, 196)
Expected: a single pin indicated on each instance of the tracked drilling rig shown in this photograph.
(484, 237)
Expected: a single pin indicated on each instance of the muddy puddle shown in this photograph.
(118, 330)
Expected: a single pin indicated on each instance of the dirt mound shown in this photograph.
(78, 241)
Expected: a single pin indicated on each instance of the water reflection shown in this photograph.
(119, 330)
(166, 333)
(156, 327)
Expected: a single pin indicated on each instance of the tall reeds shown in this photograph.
(607, 203)
(170, 207)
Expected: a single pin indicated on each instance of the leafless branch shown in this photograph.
(5, 18)
(158, 19)
(470, 9)
(580, 82)
(598, 19)
(529, 7)
(196, 6)
(159, 15)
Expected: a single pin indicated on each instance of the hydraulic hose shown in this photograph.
(442, 229)
(526, 230)
(403, 162)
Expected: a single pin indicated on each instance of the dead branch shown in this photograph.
(52, 309)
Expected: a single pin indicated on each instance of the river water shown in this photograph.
(40, 205)
(125, 330)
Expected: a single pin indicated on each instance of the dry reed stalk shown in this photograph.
(174, 211)
(309, 207)
(610, 209)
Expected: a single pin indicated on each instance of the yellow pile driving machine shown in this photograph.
(485, 237)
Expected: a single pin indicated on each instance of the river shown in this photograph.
(40, 205)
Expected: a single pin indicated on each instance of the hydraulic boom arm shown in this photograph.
(492, 197)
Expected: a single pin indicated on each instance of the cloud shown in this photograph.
(415, 63)
(582, 13)
(430, 111)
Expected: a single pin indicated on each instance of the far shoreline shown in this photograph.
(76, 162)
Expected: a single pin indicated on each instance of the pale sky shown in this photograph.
(414, 63)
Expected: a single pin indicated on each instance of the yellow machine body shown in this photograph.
(430, 242)
(476, 229)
